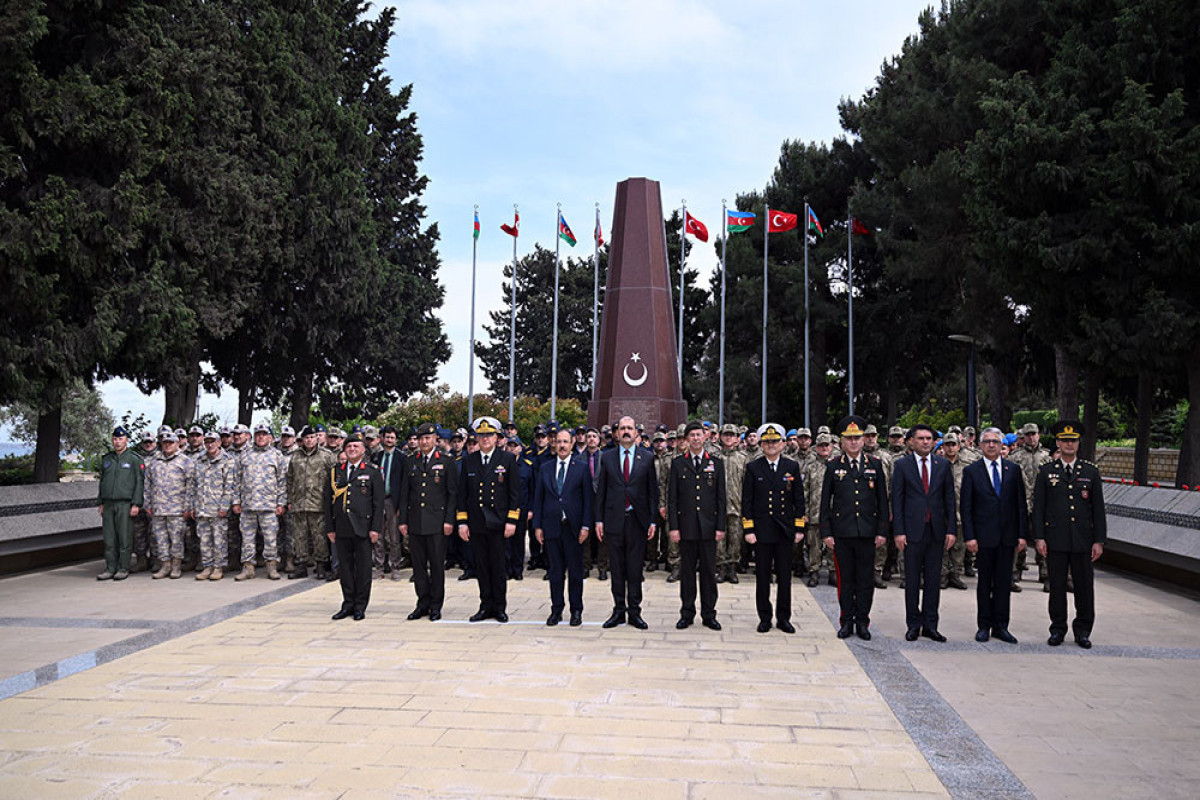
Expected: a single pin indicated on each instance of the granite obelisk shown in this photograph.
(638, 375)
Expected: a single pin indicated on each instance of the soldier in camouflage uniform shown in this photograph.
(216, 480)
(751, 448)
(813, 472)
(287, 547)
(238, 449)
(953, 561)
(169, 490)
(261, 500)
(657, 549)
(142, 550)
(308, 471)
(1029, 456)
(729, 550)
(662, 471)
(193, 449)
(804, 451)
(871, 448)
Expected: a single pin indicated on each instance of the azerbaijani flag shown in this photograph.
(476, 224)
(564, 231)
(738, 221)
(814, 224)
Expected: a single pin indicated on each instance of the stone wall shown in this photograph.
(1117, 462)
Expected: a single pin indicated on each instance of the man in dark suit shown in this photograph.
(426, 518)
(515, 546)
(353, 503)
(696, 508)
(854, 521)
(923, 526)
(562, 518)
(993, 519)
(392, 464)
(1070, 528)
(488, 509)
(626, 501)
(773, 523)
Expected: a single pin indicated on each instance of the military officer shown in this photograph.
(122, 476)
(216, 481)
(729, 549)
(240, 445)
(954, 559)
(515, 555)
(669, 550)
(696, 511)
(169, 492)
(773, 521)
(308, 472)
(353, 503)
(426, 513)
(814, 480)
(142, 551)
(488, 507)
(854, 522)
(1069, 526)
(261, 500)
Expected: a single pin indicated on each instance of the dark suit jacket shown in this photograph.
(855, 508)
(399, 467)
(357, 507)
(566, 513)
(488, 499)
(1069, 514)
(696, 501)
(428, 495)
(612, 490)
(987, 518)
(910, 502)
(772, 502)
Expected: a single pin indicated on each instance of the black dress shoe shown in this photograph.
(359, 616)
(617, 618)
(466, 576)
(1016, 587)
(711, 624)
(674, 576)
(341, 614)
(785, 626)
(846, 631)
(911, 634)
(576, 619)
(1055, 639)
(554, 618)
(418, 613)
(636, 621)
(1083, 642)
(434, 616)
(501, 617)
(981, 635)
(652, 567)
(931, 633)
(521, 576)
(480, 616)
(683, 623)
(955, 582)
(1003, 635)
(863, 631)
(764, 627)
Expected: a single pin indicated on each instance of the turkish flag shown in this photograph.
(696, 228)
(781, 221)
(857, 227)
(514, 229)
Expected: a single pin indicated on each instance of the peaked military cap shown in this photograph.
(771, 432)
(852, 425)
(486, 425)
(1067, 429)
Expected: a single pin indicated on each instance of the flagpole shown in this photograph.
(471, 360)
(682, 270)
(766, 242)
(512, 332)
(850, 300)
(554, 346)
(721, 367)
(807, 369)
(595, 299)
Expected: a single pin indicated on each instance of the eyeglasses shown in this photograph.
(989, 441)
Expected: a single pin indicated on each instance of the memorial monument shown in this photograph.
(638, 373)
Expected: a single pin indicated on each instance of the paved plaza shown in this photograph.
(182, 689)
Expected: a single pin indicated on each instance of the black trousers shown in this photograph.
(354, 569)
(702, 553)
(773, 559)
(923, 559)
(515, 556)
(566, 559)
(993, 593)
(626, 552)
(1080, 565)
(854, 560)
(489, 548)
(429, 569)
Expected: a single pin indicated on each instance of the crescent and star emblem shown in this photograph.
(777, 220)
(636, 358)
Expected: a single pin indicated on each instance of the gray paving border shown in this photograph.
(160, 631)
(964, 764)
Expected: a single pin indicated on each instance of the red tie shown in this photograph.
(625, 472)
(925, 481)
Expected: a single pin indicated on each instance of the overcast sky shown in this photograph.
(539, 102)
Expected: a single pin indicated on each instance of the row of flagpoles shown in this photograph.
(732, 222)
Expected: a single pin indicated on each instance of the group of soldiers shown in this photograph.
(216, 501)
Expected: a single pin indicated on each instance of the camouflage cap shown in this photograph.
(824, 438)
(871, 430)
(335, 433)
(729, 427)
(225, 430)
(168, 436)
(287, 430)
(240, 428)
(195, 429)
(969, 429)
(804, 432)
(743, 429)
(824, 429)
(659, 436)
(263, 427)
(164, 429)
(895, 430)
(180, 433)
(1028, 428)
(671, 434)
(950, 438)
(371, 432)
(954, 429)
(147, 436)
(211, 435)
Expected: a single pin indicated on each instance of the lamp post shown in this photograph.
(972, 405)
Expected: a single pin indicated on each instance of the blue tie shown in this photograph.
(562, 474)
(996, 477)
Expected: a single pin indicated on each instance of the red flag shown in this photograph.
(514, 229)
(695, 227)
(858, 227)
(599, 233)
(781, 221)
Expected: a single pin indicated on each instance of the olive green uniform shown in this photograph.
(122, 480)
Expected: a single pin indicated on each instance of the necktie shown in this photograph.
(854, 467)
(562, 474)
(592, 464)
(774, 464)
(1070, 472)
(625, 470)
(925, 474)
(996, 478)
(387, 472)
(485, 460)
(696, 463)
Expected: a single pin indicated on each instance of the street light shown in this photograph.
(972, 406)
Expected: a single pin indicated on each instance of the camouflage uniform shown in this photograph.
(142, 550)
(262, 487)
(235, 520)
(953, 560)
(662, 466)
(729, 551)
(216, 479)
(1030, 461)
(881, 553)
(169, 483)
(307, 473)
(813, 474)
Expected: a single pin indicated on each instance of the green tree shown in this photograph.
(87, 423)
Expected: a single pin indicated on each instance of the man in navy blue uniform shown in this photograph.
(562, 518)
(773, 523)
(993, 520)
(923, 525)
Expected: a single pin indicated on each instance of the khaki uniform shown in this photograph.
(169, 490)
(307, 474)
(262, 487)
(881, 553)
(814, 478)
(216, 479)
(953, 561)
(729, 551)
(1030, 461)
(662, 470)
